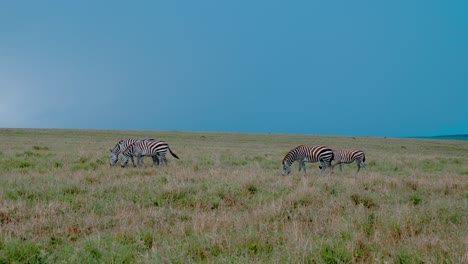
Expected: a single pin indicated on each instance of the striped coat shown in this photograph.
(303, 154)
(120, 146)
(349, 156)
(155, 148)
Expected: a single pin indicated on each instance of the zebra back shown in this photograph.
(308, 154)
(304, 154)
(155, 148)
(349, 156)
(121, 146)
(146, 147)
(124, 143)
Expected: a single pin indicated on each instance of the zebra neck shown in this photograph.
(116, 149)
(288, 162)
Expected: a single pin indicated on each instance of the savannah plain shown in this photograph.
(225, 200)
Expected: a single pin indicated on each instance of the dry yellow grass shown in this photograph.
(226, 201)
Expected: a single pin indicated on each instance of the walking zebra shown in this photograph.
(349, 156)
(155, 148)
(304, 154)
(120, 146)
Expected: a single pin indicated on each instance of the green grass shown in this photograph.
(225, 201)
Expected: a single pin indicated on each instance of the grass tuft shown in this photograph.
(40, 148)
(415, 199)
(364, 200)
(16, 251)
(334, 254)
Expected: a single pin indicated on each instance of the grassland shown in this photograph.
(226, 201)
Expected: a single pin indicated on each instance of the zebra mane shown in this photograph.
(130, 146)
(284, 159)
(289, 154)
(117, 146)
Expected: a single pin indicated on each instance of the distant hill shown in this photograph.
(451, 137)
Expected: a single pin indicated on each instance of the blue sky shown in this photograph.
(363, 68)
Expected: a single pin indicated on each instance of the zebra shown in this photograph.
(154, 148)
(349, 156)
(304, 154)
(120, 146)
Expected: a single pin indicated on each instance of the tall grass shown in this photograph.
(226, 201)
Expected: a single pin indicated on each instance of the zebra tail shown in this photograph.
(172, 153)
(363, 157)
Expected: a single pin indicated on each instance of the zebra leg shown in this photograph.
(140, 160)
(300, 165)
(155, 160)
(361, 163)
(133, 162)
(163, 158)
(323, 166)
(364, 165)
(341, 167)
(323, 169)
(358, 168)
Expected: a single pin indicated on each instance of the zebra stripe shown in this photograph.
(349, 156)
(155, 148)
(303, 154)
(120, 146)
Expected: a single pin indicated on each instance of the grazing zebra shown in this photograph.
(120, 146)
(155, 148)
(305, 154)
(349, 156)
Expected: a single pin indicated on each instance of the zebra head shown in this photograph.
(114, 157)
(126, 153)
(115, 153)
(124, 160)
(287, 162)
(286, 169)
